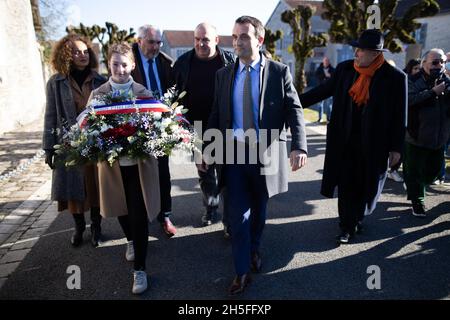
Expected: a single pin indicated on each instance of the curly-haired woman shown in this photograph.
(67, 94)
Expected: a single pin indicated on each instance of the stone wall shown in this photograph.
(22, 93)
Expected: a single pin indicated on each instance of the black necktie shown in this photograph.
(153, 85)
(247, 101)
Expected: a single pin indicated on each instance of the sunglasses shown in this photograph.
(437, 62)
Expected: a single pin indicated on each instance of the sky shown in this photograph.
(167, 14)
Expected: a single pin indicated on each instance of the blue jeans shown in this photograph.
(325, 106)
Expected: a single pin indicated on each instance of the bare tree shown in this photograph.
(348, 19)
(304, 41)
(104, 35)
(53, 16)
(270, 42)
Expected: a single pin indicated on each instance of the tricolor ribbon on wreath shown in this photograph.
(145, 105)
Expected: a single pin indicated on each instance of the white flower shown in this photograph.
(96, 102)
(173, 127)
(165, 122)
(85, 152)
(178, 109)
(105, 127)
(157, 115)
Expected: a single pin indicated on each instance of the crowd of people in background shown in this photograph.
(379, 118)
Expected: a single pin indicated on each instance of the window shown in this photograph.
(421, 34)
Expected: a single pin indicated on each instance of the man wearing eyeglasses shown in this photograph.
(195, 73)
(428, 127)
(154, 71)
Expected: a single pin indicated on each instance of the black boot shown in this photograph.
(96, 230)
(80, 226)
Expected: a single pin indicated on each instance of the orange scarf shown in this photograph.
(360, 89)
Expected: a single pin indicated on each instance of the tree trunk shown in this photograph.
(300, 77)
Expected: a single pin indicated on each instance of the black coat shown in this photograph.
(383, 122)
(182, 66)
(320, 75)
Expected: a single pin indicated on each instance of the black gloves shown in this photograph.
(49, 154)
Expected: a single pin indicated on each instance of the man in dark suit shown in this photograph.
(366, 131)
(255, 100)
(154, 71)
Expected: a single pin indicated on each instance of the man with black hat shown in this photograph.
(366, 131)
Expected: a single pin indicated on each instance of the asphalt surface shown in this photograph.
(301, 259)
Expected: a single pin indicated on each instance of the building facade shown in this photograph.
(22, 92)
(177, 42)
(434, 33)
(335, 52)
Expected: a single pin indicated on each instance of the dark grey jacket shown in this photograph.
(428, 114)
(163, 64)
(279, 106)
(67, 184)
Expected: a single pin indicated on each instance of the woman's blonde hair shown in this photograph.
(121, 48)
(62, 60)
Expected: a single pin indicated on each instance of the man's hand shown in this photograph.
(202, 167)
(394, 158)
(439, 89)
(298, 159)
(49, 154)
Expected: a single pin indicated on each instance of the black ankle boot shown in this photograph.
(80, 226)
(96, 230)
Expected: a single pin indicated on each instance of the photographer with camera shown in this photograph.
(428, 127)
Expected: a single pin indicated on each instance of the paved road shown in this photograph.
(300, 257)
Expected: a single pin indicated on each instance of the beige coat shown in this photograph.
(112, 193)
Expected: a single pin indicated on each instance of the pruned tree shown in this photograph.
(104, 35)
(270, 42)
(303, 43)
(349, 18)
(52, 16)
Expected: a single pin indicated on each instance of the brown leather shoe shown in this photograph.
(256, 263)
(239, 284)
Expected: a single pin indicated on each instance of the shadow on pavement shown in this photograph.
(199, 266)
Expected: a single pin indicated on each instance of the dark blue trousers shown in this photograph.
(246, 201)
